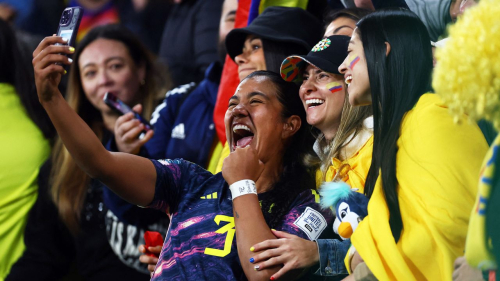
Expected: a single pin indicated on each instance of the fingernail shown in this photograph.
(252, 260)
(273, 229)
(272, 278)
(65, 72)
(70, 60)
(65, 40)
(71, 49)
(256, 267)
(252, 249)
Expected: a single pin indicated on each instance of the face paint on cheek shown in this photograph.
(353, 62)
(334, 87)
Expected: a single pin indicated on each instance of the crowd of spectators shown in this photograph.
(262, 121)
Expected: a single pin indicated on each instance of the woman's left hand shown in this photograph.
(242, 164)
(289, 250)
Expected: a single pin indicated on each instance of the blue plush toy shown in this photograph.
(350, 206)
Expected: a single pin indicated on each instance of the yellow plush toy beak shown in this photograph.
(345, 229)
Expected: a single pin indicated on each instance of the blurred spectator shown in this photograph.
(435, 14)
(189, 41)
(24, 145)
(183, 123)
(343, 22)
(71, 221)
(145, 18)
(36, 17)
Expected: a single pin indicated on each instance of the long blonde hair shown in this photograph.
(68, 183)
(351, 123)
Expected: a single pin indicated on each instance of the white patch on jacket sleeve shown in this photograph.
(311, 222)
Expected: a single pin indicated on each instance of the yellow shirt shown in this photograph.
(437, 167)
(23, 149)
(356, 167)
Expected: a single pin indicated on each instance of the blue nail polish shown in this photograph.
(252, 260)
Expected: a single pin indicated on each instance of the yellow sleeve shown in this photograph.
(225, 153)
(478, 248)
(214, 158)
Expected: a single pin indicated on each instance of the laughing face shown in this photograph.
(356, 73)
(254, 117)
(323, 96)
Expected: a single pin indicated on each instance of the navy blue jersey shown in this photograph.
(200, 243)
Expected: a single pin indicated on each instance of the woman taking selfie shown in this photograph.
(265, 134)
(422, 179)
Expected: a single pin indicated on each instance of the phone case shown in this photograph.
(69, 23)
(119, 106)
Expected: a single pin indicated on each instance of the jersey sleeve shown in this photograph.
(306, 219)
(173, 179)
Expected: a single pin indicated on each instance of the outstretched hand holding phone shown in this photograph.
(130, 176)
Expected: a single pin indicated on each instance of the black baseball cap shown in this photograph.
(327, 55)
(280, 24)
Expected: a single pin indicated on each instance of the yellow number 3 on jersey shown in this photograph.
(229, 228)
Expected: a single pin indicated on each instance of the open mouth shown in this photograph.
(314, 102)
(242, 136)
(348, 79)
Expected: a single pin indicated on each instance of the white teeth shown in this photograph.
(314, 101)
(241, 127)
(348, 79)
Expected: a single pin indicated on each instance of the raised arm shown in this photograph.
(130, 176)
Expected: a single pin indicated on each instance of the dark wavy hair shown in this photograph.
(397, 81)
(296, 177)
(16, 69)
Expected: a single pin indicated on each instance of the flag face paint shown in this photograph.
(354, 61)
(334, 87)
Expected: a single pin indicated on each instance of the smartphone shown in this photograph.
(69, 23)
(121, 108)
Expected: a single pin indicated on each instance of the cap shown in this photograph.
(280, 24)
(327, 55)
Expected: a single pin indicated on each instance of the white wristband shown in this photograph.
(243, 187)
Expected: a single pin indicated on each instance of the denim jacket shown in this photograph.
(331, 256)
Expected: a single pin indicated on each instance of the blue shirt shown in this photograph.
(200, 243)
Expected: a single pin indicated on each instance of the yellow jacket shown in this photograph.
(437, 166)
